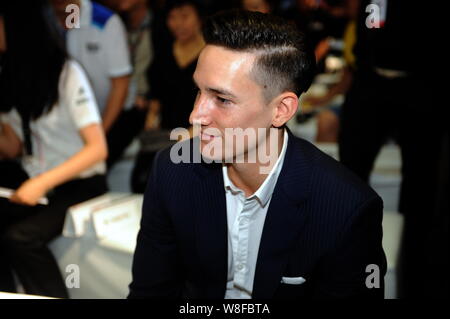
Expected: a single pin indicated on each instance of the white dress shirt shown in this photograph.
(245, 218)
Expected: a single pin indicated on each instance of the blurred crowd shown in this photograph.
(78, 84)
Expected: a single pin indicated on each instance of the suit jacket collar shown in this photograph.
(211, 227)
(283, 223)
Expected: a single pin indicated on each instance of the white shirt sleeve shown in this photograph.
(76, 94)
(116, 48)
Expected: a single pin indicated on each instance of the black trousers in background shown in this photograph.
(375, 110)
(127, 126)
(26, 231)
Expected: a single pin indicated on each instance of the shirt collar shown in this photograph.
(85, 13)
(264, 192)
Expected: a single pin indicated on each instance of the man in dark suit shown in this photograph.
(267, 217)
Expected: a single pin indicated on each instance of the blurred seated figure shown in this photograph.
(100, 45)
(51, 124)
(321, 19)
(328, 116)
(172, 88)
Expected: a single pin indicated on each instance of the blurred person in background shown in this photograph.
(138, 20)
(51, 122)
(328, 119)
(100, 46)
(392, 97)
(320, 20)
(172, 88)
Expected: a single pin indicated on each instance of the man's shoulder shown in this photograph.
(328, 177)
(183, 156)
(316, 173)
(100, 15)
(179, 168)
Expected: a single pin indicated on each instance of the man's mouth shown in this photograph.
(207, 137)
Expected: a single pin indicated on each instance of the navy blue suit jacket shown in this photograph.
(323, 224)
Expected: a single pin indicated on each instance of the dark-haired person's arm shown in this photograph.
(10, 144)
(117, 60)
(156, 267)
(93, 151)
(348, 271)
(116, 100)
(151, 121)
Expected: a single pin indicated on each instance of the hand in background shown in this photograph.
(152, 120)
(141, 103)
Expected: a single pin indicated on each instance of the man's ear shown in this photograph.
(286, 105)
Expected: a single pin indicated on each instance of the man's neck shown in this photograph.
(248, 176)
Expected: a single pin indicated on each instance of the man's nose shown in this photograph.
(201, 112)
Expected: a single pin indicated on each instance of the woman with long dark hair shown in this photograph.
(49, 119)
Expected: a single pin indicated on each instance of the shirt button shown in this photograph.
(240, 267)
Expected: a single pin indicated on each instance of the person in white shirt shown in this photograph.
(49, 121)
(100, 46)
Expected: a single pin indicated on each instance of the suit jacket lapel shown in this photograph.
(211, 227)
(284, 220)
(283, 223)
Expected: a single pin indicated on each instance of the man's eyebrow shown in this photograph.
(221, 92)
(217, 90)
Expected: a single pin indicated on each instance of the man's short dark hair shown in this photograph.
(285, 62)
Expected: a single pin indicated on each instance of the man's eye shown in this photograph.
(222, 100)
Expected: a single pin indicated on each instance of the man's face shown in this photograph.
(228, 98)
